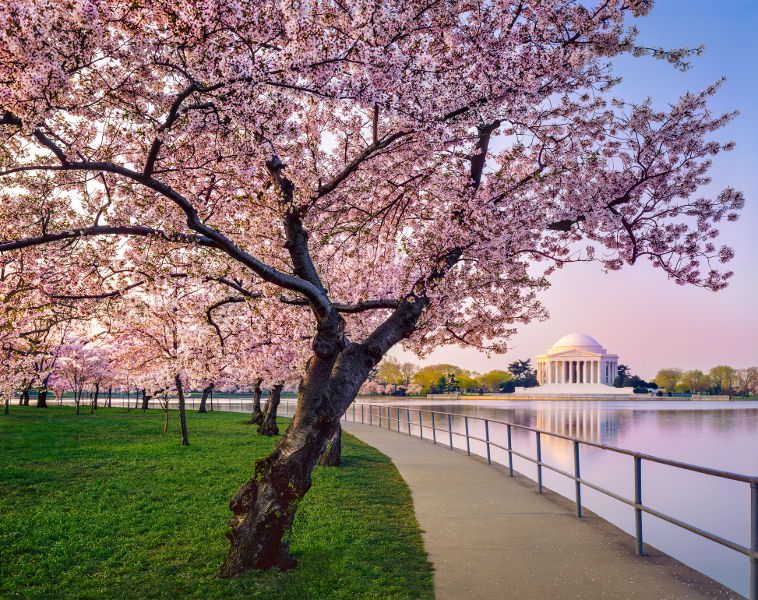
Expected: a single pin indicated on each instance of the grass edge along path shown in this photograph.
(108, 506)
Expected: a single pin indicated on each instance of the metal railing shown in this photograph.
(358, 414)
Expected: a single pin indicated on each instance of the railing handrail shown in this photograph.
(648, 457)
(639, 508)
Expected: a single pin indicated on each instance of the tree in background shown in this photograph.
(523, 374)
(668, 378)
(623, 373)
(429, 377)
(723, 379)
(390, 371)
(492, 381)
(747, 381)
(693, 381)
(408, 371)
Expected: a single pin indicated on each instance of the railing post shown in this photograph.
(487, 437)
(638, 501)
(420, 426)
(510, 452)
(578, 485)
(539, 462)
(434, 430)
(468, 442)
(408, 414)
(754, 539)
(450, 429)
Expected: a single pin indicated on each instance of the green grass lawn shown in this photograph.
(108, 506)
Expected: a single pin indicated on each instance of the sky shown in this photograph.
(637, 313)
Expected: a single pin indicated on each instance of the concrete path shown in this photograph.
(493, 537)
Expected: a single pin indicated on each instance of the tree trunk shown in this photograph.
(25, 397)
(91, 404)
(203, 400)
(97, 393)
(7, 403)
(268, 427)
(77, 399)
(257, 416)
(165, 411)
(42, 398)
(136, 399)
(182, 415)
(110, 394)
(332, 454)
(145, 400)
(264, 507)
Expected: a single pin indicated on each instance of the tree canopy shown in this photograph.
(329, 166)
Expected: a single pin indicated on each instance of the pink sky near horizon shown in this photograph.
(650, 322)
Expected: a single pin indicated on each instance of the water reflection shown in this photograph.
(704, 433)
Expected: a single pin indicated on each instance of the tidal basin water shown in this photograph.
(719, 435)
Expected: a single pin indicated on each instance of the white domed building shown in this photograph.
(577, 364)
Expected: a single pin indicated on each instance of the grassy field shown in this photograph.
(108, 506)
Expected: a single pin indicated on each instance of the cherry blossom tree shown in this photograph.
(338, 157)
(81, 363)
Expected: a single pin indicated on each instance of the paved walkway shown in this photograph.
(492, 537)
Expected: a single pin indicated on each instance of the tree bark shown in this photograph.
(182, 414)
(110, 395)
(42, 398)
(269, 427)
(165, 411)
(145, 400)
(257, 417)
(97, 393)
(264, 507)
(7, 403)
(77, 399)
(203, 400)
(25, 397)
(332, 454)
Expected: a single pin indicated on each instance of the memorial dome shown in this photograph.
(577, 341)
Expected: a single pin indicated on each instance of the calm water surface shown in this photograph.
(719, 435)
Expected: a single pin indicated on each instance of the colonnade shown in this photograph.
(577, 371)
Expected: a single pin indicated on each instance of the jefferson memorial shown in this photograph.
(577, 364)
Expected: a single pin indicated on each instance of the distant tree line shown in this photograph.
(394, 378)
(720, 380)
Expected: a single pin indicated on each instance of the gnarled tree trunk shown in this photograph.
(268, 427)
(203, 400)
(257, 416)
(264, 507)
(332, 454)
(25, 397)
(97, 395)
(110, 396)
(145, 400)
(182, 413)
(42, 398)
